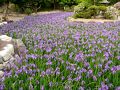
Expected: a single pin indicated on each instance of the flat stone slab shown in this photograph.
(1, 73)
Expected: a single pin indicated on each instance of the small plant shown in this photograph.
(28, 11)
(102, 8)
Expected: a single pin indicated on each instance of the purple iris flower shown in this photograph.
(79, 57)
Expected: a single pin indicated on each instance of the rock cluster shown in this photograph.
(117, 5)
(10, 51)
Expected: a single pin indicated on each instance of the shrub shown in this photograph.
(108, 16)
(17, 8)
(94, 10)
(89, 12)
(111, 13)
(102, 8)
(28, 11)
(85, 14)
(81, 7)
(78, 8)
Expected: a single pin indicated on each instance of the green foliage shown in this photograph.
(84, 14)
(108, 16)
(28, 11)
(37, 5)
(94, 10)
(89, 12)
(113, 1)
(81, 7)
(17, 9)
(68, 8)
(68, 2)
(102, 8)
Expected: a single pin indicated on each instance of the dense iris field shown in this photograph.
(64, 55)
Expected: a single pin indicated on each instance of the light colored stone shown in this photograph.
(7, 52)
(10, 52)
(7, 66)
(20, 48)
(1, 73)
(12, 59)
(118, 17)
(1, 59)
(5, 38)
(1, 66)
(117, 5)
(9, 63)
(3, 23)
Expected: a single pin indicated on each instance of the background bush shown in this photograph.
(111, 13)
(81, 7)
(69, 8)
(28, 11)
(37, 5)
(93, 11)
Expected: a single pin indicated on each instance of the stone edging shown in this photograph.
(71, 19)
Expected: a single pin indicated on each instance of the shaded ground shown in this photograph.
(16, 17)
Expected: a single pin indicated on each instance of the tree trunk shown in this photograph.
(54, 4)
